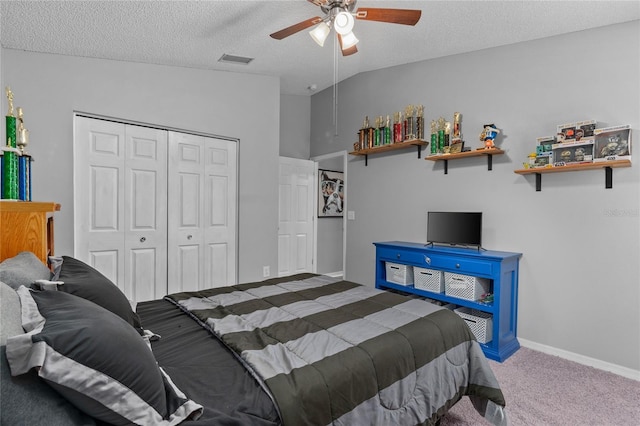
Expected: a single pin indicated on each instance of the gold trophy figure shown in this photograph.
(10, 99)
(22, 134)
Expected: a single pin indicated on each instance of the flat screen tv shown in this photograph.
(455, 228)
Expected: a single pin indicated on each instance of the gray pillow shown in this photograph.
(95, 360)
(26, 399)
(9, 313)
(23, 269)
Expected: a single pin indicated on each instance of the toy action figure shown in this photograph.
(488, 135)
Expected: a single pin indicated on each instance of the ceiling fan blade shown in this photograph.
(394, 16)
(286, 32)
(348, 51)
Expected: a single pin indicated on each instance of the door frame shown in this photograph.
(345, 162)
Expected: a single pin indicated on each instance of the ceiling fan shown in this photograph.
(339, 15)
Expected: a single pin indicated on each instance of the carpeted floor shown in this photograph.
(546, 390)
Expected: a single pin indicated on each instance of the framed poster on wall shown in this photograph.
(330, 193)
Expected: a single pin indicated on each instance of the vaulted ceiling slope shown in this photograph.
(196, 34)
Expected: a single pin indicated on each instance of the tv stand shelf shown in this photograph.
(500, 267)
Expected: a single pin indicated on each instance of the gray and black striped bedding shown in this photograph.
(333, 352)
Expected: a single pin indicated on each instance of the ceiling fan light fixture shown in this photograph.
(320, 32)
(343, 23)
(349, 40)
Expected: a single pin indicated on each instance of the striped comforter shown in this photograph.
(333, 352)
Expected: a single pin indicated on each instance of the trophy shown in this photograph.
(434, 137)
(408, 123)
(10, 154)
(24, 160)
(441, 125)
(420, 122)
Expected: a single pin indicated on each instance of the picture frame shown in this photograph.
(330, 193)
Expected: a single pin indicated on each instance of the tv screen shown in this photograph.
(455, 228)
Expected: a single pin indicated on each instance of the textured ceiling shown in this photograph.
(196, 34)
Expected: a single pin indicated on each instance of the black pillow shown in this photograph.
(95, 360)
(84, 281)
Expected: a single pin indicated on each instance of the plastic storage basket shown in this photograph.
(480, 323)
(399, 274)
(428, 279)
(465, 286)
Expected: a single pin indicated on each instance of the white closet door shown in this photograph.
(296, 215)
(145, 242)
(99, 196)
(121, 204)
(202, 212)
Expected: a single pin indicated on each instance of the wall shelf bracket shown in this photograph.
(608, 177)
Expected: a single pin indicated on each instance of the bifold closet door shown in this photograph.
(120, 204)
(202, 212)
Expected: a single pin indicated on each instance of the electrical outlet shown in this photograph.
(265, 271)
(351, 215)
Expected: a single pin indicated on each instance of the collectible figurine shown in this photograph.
(615, 146)
(488, 135)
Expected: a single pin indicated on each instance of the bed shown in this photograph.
(305, 349)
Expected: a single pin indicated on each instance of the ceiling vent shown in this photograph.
(233, 59)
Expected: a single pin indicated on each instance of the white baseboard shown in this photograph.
(581, 359)
(336, 274)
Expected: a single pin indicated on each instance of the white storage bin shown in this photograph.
(465, 286)
(480, 323)
(428, 279)
(399, 274)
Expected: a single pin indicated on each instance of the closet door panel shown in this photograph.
(145, 213)
(99, 197)
(202, 212)
(220, 211)
(143, 274)
(185, 237)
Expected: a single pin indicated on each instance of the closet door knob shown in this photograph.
(189, 237)
(143, 239)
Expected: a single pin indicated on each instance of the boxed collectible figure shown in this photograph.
(566, 132)
(545, 144)
(585, 129)
(544, 160)
(612, 143)
(572, 153)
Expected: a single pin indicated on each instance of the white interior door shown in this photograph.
(120, 204)
(202, 215)
(296, 216)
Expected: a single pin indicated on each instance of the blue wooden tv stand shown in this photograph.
(500, 267)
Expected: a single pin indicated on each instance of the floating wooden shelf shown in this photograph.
(475, 153)
(392, 147)
(606, 165)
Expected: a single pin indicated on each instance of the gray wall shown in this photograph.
(579, 272)
(51, 87)
(330, 236)
(294, 126)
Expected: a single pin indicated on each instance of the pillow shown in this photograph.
(84, 281)
(23, 269)
(95, 360)
(27, 399)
